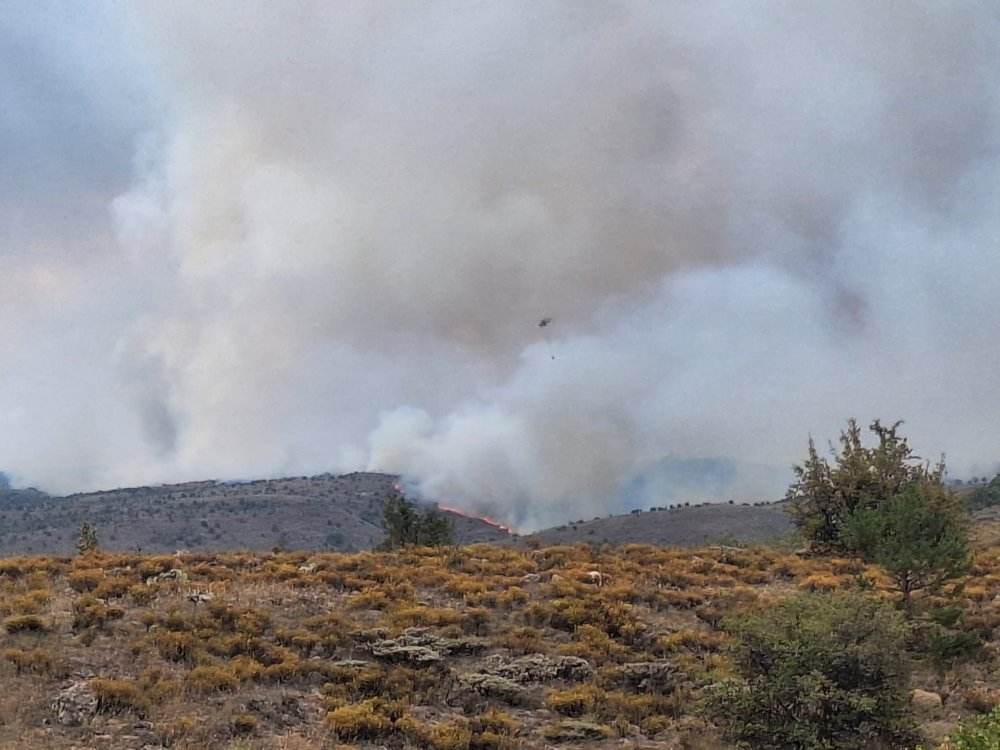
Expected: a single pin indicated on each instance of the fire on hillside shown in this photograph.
(464, 513)
(484, 519)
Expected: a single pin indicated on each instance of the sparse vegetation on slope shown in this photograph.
(476, 647)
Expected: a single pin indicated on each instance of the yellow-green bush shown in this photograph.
(369, 721)
(85, 580)
(117, 696)
(26, 624)
(211, 679)
(36, 661)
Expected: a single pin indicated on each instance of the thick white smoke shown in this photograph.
(748, 221)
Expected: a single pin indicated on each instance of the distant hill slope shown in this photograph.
(676, 527)
(325, 512)
(322, 512)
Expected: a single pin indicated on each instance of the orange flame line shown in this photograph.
(466, 514)
(484, 519)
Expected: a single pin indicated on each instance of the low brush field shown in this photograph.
(480, 647)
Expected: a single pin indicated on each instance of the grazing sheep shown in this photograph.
(596, 577)
(200, 597)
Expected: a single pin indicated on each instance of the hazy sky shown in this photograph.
(259, 238)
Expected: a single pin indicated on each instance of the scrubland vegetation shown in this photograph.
(868, 632)
(479, 647)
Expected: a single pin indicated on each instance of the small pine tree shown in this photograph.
(87, 541)
(404, 525)
(919, 536)
(435, 530)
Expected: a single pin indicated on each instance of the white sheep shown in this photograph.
(597, 578)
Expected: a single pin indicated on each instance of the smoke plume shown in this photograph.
(341, 223)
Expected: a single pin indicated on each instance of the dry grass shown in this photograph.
(275, 654)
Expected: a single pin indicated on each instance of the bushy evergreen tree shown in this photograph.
(87, 541)
(919, 536)
(404, 524)
(818, 671)
(825, 494)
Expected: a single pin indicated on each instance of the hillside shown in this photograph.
(324, 512)
(676, 527)
(480, 648)
(321, 512)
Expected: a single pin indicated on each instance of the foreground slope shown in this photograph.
(479, 647)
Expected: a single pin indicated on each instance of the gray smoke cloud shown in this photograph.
(340, 225)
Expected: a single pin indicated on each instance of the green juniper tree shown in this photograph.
(87, 541)
(884, 505)
(826, 494)
(818, 672)
(405, 525)
(920, 537)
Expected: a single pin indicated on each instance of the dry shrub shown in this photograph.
(246, 668)
(267, 653)
(823, 582)
(86, 580)
(369, 598)
(415, 686)
(416, 616)
(537, 614)
(304, 642)
(176, 620)
(513, 598)
(152, 566)
(32, 603)
(170, 732)
(253, 622)
(36, 661)
(453, 735)
(285, 671)
(980, 699)
(118, 696)
(27, 624)
(429, 577)
(369, 721)
(243, 724)
(177, 646)
(522, 640)
(461, 587)
(576, 701)
(113, 588)
(483, 597)
(654, 725)
(89, 612)
(496, 721)
(593, 644)
(571, 730)
(13, 567)
(211, 679)
(157, 686)
(755, 577)
(227, 644)
(142, 595)
(694, 641)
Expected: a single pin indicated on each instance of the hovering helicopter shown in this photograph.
(544, 323)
